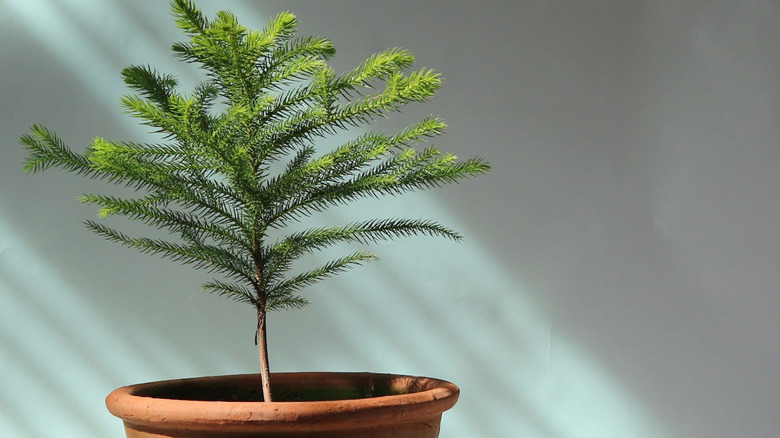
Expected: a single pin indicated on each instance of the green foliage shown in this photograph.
(215, 184)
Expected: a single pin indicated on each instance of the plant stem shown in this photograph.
(262, 346)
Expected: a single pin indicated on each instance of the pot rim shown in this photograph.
(433, 397)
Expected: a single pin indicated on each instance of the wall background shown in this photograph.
(619, 277)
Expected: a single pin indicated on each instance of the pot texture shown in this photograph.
(312, 405)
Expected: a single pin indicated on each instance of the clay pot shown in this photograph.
(308, 405)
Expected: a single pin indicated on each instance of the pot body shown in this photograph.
(311, 405)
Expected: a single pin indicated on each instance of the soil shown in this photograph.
(244, 393)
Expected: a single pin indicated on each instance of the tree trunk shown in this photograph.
(262, 346)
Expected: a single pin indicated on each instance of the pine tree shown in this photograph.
(238, 157)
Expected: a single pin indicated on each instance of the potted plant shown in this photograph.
(237, 166)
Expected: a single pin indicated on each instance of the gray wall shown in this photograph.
(619, 275)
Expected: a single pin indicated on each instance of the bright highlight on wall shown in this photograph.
(473, 324)
(58, 353)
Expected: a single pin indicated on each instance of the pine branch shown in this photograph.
(294, 60)
(404, 172)
(202, 256)
(377, 66)
(313, 276)
(181, 182)
(281, 137)
(152, 115)
(280, 28)
(280, 255)
(371, 231)
(188, 17)
(182, 222)
(286, 301)
(233, 291)
(147, 81)
(45, 149)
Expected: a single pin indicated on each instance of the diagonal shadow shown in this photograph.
(42, 379)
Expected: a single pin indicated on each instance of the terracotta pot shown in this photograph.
(308, 405)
